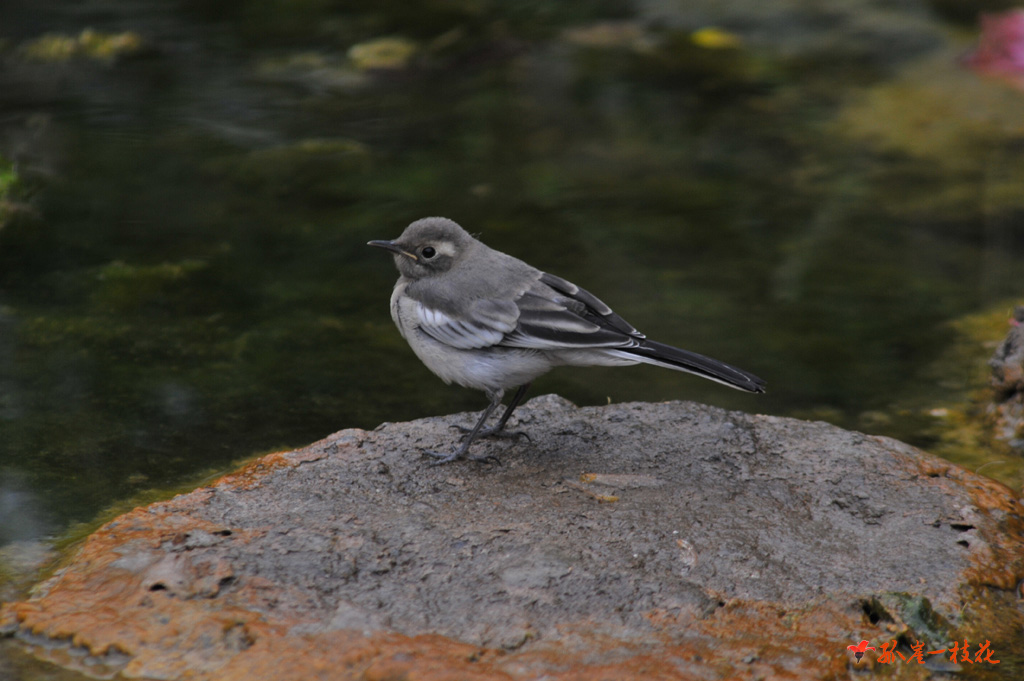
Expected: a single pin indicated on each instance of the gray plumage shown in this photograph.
(486, 320)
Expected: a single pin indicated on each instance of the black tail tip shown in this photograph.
(754, 386)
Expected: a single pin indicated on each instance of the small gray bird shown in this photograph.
(485, 320)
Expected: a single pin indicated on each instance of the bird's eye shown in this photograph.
(428, 252)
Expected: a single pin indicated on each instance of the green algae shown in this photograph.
(383, 53)
(986, 616)
(967, 131)
(946, 410)
(12, 192)
(8, 179)
(89, 44)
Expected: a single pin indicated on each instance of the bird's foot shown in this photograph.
(486, 458)
(493, 431)
(441, 458)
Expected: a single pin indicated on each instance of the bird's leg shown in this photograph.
(516, 399)
(461, 451)
(499, 427)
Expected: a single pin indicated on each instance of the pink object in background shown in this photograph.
(1000, 50)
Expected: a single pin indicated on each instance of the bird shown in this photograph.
(488, 321)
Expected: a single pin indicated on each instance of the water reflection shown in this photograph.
(23, 516)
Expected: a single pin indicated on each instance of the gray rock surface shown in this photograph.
(633, 541)
(711, 505)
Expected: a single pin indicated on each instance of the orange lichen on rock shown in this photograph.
(251, 474)
(999, 560)
(121, 592)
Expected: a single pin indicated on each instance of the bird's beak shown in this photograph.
(391, 246)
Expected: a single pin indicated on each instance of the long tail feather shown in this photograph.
(652, 352)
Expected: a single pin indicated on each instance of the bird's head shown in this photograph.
(428, 247)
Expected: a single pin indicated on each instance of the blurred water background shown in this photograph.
(820, 193)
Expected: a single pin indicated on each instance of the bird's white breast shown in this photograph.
(487, 368)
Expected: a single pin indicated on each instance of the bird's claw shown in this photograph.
(486, 458)
(440, 458)
(492, 432)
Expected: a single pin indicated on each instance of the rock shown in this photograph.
(632, 541)
(1008, 384)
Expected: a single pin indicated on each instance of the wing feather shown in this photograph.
(481, 333)
(555, 314)
(551, 314)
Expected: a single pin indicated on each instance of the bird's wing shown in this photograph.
(550, 314)
(555, 314)
(485, 323)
